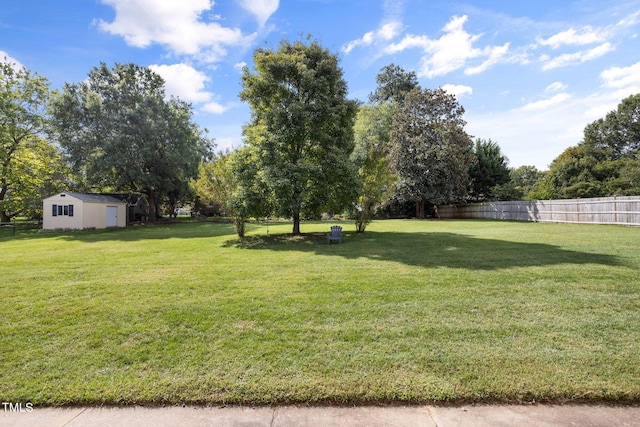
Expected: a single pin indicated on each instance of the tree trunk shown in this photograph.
(4, 215)
(239, 223)
(152, 205)
(420, 209)
(296, 224)
(158, 211)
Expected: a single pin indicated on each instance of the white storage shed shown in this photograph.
(77, 211)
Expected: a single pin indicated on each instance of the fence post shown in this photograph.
(14, 226)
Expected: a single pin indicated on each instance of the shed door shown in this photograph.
(112, 216)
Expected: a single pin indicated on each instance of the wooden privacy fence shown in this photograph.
(603, 210)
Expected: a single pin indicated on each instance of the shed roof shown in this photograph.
(100, 198)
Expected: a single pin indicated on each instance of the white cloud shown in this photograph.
(629, 21)
(496, 55)
(184, 81)
(603, 36)
(177, 26)
(572, 37)
(588, 35)
(556, 87)
(452, 51)
(616, 77)
(542, 130)
(530, 137)
(546, 103)
(240, 65)
(458, 90)
(389, 29)
(536, 133)
(409, 42)
(446, 54)
(621, 82)
(261, 9)
(568, 59)
(188, 84)
(386, 32)
(214, 108)
(600, 109)
(6, 58)
(539, 131)
(393, 9)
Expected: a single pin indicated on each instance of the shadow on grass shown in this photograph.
(424, 249)
(431, 250)
(158, 231)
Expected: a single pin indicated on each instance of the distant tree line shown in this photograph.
(308, 149)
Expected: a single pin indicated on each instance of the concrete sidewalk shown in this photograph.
(392, 416)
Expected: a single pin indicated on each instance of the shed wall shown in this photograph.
(86, 214)
(50, 222)
(95, 215)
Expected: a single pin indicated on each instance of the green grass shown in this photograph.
(410, 311)
(18, 227)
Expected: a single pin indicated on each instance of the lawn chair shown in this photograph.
(336, 234)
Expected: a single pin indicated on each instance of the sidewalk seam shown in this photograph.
(433, 421)
(80, 413)
(273, 416)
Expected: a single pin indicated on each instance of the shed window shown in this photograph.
(62, 210)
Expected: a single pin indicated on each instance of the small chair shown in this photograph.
(336, 234)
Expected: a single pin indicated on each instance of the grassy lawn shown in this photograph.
(18, 228)
(410, 311)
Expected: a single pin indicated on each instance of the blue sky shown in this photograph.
(530, 74)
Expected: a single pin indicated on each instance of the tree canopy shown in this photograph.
(301, 130)
(29, 165)
(431, 152)
(371, 157)
(617, 135)
(393, 83)
(488, 172)
(120, 133)
(308, 149)
(525, 182)
(606, 162)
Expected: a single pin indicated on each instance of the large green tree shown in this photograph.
(217, 183)
(229, 181)
(38, 171)
(393, 82)
(371, 156)
(575, 173)
(525, 181)
(120, 133)
(301, 130)
(27, 160)
(605, 162)
(488, 172)
(431, 152)
(617, 135)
